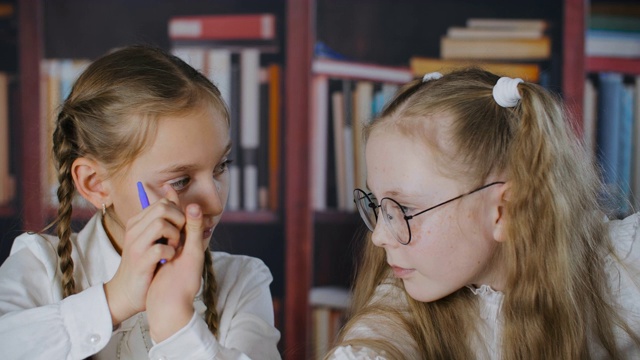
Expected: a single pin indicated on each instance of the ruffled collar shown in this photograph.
(487, 293)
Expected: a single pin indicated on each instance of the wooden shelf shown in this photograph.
(336, 217)
(250, 217)
(7, 211)
(622, 65)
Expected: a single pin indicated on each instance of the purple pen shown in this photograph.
(144, 201)
(142, 195)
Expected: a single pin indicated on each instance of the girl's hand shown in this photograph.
(175, 285)
(127, 291)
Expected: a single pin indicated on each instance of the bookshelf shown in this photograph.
(313, 248)
(8, 71)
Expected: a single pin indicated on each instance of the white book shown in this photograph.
(508, 23)
(219, 71)
(320, 122)
(250, 124)
(491, 33)
(589, 116)
(343, 194)
(192, 55)
(363, 97)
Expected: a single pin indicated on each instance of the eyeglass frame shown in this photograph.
(409, 217)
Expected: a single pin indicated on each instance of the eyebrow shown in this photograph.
(178, 168)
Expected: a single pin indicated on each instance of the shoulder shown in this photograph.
(39, 246)
(33, 259)
(623, 267)
(351, 353)
(625, 238)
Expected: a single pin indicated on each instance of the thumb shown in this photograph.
(194, 228)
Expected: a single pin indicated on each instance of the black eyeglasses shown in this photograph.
(394, 213)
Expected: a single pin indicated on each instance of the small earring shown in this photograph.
(104, 209)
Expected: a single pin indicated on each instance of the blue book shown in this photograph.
(625, 150)
(608, 127)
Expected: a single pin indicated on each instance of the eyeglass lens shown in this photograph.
(391, 211)
(394, 218)
(366, 207)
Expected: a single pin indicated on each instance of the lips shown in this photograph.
(206, 234)
(401, 272)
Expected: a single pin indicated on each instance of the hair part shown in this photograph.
(111, 116)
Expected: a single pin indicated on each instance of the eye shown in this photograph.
(180, 184)
(222, 168)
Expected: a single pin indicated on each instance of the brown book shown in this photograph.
(274, 71)
(496, 49)
(5, 190)
(526, 71)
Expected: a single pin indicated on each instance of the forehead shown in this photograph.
(400, 164)
(194, 136)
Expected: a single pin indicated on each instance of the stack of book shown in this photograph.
(346, 95)
(509, 47)
(230, 50)
(613, 32)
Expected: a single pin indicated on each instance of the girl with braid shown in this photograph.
(487, 238)
(113, 291)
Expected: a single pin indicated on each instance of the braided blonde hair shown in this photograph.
(97, 121)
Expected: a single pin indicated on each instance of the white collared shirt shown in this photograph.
(36, 323)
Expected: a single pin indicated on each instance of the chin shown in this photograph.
(424, 295)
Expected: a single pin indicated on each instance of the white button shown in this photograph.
(94, 339)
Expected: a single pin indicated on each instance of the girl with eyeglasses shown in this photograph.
(487, 237)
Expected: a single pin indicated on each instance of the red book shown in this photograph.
(223, 27)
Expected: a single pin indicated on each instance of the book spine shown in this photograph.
(363, 97)
(275, 114)
(223, 27)
(4, 139)
(263, 146)
(625, 149)
(635, 180)
(234, 201)
(337, 99)
(250, 124)
(608, 134)
(319, 123)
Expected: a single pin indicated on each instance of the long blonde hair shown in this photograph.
(110, 116)
(556, 294)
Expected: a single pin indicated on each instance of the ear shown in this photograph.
(89, 178)
(499, 220)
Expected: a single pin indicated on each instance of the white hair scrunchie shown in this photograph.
(505, 91)
(431, 76)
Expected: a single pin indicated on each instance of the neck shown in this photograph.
(109, 223)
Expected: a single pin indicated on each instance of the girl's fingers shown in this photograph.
(194, 228)
(171, 194)
(158, 252)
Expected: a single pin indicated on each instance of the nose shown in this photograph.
(214, 196)
(382, 237)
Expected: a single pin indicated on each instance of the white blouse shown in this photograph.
(624, 280)
(36, 323)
